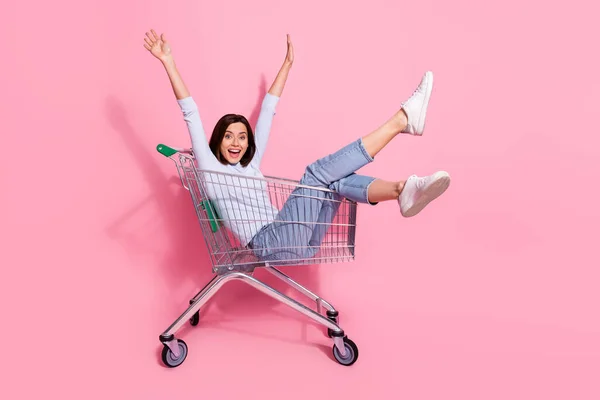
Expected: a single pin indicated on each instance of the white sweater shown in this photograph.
(243, 204)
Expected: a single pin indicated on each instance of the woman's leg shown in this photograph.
(412, 194)
(409, 119)
(375, 141)
(381, 190)
(303, 220)
(299, 228)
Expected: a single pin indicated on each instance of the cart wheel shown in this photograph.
(169, 359)
(351, 353)
(195, 318)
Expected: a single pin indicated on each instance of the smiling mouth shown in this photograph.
(234, 153)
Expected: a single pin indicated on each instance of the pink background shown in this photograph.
(490, 293)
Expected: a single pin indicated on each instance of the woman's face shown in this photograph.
(234, 143)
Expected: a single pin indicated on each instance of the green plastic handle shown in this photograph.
(165, 150)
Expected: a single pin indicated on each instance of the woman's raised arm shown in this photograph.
(279, 82)
(267, 111)
(160, 48)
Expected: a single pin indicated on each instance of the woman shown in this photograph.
(295, 231)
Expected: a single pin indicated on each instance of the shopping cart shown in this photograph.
(333, 234)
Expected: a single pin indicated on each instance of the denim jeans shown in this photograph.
(301, 224)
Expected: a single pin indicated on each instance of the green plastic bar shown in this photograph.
(165, 150)
(213, 217)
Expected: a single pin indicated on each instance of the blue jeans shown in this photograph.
(301, 224)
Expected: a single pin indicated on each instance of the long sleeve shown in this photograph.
(263, 125)
(191, 116)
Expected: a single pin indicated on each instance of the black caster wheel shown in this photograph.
(195, 318)
(351, 353)
(169, 359)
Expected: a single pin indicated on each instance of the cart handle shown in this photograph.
(165, 150)
(169, 151)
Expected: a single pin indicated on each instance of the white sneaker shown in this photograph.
(416, 105)
(420, 191)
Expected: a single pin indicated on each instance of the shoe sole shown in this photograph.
(435, 190)
(421, 124)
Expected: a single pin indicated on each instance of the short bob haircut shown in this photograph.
(219, 133)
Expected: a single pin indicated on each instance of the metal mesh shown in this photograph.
(317, 226)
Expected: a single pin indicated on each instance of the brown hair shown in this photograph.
(219, 133)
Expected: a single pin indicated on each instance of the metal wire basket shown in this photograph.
(321, 230)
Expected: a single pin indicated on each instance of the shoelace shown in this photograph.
(414, 93)
(419, 182)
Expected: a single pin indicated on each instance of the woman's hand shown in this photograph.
(158, 46)
(279, 83)
(289, 57)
